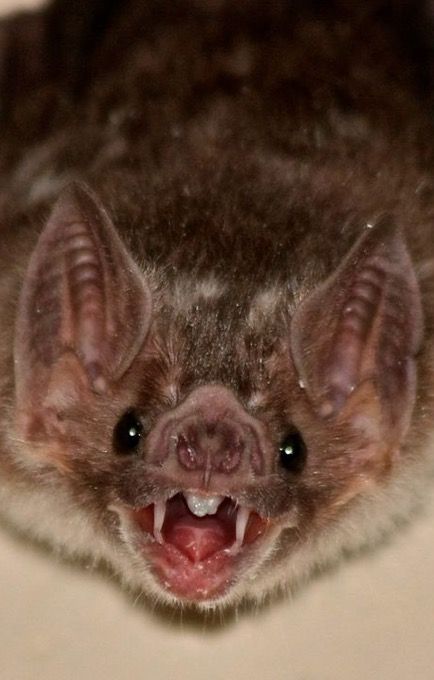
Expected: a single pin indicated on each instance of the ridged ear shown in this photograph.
(363, 325)
(84, 309)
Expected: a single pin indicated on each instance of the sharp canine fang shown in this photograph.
(243, 515)
(159, 515)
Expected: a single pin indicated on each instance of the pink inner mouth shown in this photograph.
(194, 557)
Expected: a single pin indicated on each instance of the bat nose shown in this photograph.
(209, 440)
(206, 446)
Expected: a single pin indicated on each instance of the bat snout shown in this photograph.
(209, 435)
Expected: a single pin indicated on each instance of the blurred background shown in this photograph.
(373, 618)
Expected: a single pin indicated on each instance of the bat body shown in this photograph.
(216, 286)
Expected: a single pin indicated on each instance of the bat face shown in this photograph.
(217, 375)
(209, 432)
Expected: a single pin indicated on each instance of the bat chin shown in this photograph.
(198, 547)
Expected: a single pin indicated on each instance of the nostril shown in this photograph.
(199, 447)
(228, 460)
(188, 455)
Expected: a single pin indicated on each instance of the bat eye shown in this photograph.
(127, 433)
(292, 452)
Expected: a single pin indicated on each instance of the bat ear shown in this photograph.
(360, 329)
(84, 309)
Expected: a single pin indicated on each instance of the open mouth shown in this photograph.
(197, 542)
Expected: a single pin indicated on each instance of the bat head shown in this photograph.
(207, 433)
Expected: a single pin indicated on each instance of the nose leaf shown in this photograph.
(204, 448)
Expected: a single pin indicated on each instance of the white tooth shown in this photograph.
(159, 515)
(243, 515)
(202, 505)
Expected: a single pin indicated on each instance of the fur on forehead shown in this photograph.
(260, 305)
(188, 291)
(266, 304)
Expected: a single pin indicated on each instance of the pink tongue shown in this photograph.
(198, 538)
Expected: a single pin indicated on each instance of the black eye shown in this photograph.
(293, 452)
(127, 433)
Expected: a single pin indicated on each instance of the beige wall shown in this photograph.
(10, 5)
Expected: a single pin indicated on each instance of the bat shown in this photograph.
(216, 286)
